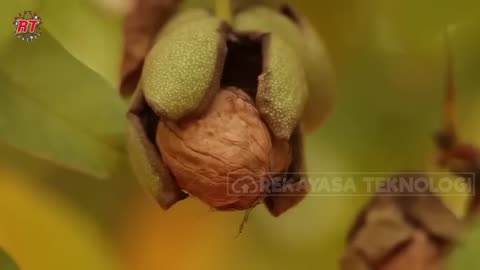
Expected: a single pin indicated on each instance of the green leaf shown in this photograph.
(396, 19)
(8, 11)
(54, 107)
(6, 263)
(87, 33)
(465, 256)
(91, 35)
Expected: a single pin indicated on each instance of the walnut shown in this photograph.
(211, 152)
(223, 156)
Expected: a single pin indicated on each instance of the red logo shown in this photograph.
(27, 26)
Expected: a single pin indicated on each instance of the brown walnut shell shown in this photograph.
(223, 156)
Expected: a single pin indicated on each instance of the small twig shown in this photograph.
(450, 109)
(459, 157)
(447, 139)
(246, 216)
(244, 221)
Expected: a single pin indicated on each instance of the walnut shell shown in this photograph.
(223, 156)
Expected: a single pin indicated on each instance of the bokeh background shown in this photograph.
(69, 201)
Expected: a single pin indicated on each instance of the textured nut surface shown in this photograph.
(299, 34)
(181, 71)
(222, 157)
(282, 88)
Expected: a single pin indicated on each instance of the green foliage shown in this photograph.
(6, 263)
(87, 33)
(8, 12)
(59, 100)
(465, 255)
(54, 107)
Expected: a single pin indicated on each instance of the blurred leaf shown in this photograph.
(236, 4)
(104, 201)
(99, 47)
(6, 263)
(93, 37)
(208, 4)
(43, 232)
(395, 20)
(55, 108)
(466, 254)
(7, 13)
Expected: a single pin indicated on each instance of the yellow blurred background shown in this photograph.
(390, 65)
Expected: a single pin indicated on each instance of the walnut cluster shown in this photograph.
(223, 156)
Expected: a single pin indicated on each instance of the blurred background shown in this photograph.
(69, 201)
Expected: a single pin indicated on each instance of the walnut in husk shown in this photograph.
(224, 156)
(217, 113)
